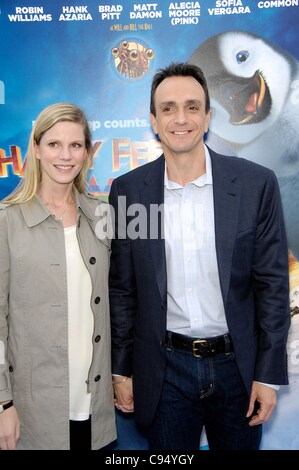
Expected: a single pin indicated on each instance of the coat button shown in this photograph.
(97, 300)
(97, 378)
(97, 338)
(10, 368)
(92, 260)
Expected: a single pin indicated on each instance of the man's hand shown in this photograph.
(266, 399)
(123, 393)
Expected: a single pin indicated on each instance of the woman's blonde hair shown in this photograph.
(50, 116)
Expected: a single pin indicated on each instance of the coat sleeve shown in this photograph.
(5, 388)
(271, 287)
(122, 288)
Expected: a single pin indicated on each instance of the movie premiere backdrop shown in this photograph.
(101, 55)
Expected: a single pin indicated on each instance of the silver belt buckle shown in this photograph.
(194, 343)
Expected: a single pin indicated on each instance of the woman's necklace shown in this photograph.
(56, 212)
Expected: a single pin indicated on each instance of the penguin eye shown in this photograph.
(242, 56)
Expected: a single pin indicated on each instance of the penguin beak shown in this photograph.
(247, 100)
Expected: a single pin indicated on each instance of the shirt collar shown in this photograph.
(206, 178)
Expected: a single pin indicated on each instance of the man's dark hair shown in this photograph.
(179, 70)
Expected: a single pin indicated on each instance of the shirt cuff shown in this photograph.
(275, 387)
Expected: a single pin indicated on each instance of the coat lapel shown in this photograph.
(152, 193)
(227, 195)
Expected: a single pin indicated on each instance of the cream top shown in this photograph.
(80, 327)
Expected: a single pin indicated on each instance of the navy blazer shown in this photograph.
(252, 258)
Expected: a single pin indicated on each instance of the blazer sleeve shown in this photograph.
(271, 287)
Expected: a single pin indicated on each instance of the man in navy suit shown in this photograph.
(199, 287)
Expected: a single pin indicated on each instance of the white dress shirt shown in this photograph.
(195, 305)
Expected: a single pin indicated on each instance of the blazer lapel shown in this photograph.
(152, 197)
(227, 193)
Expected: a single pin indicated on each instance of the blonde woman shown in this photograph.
(55, 373)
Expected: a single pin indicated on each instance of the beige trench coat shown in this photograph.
(34, 323)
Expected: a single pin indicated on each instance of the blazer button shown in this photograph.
(97, 378)
(10, 368)
(92, 260)
(97, 338)
(97, 300)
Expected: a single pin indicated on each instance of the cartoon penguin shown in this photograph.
(254, 88)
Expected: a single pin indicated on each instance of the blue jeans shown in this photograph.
(201, 392)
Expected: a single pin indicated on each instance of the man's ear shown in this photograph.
(154, 123)
(208, 118)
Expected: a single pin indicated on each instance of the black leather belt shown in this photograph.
(206, 347)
